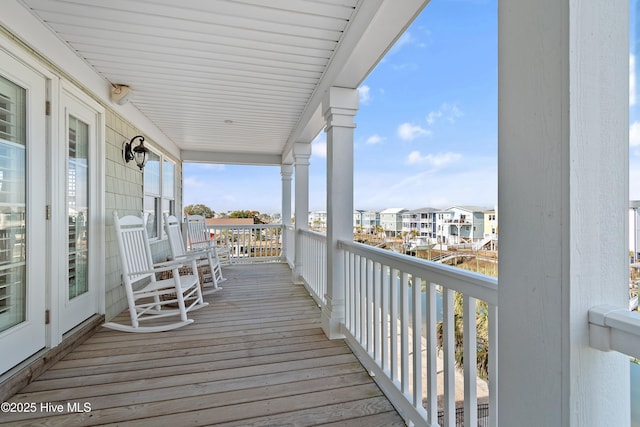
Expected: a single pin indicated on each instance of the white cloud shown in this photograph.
(364, 93)
(375, 139)
(448, 112)
(473, 181)
(632, 80)
(433, 160)
(193, 182)
(433, 116)
(319, 146)
(404, 39)
(634, 134)
(408, 131)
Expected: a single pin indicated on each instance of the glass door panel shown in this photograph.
(12, 205)
(78, 207)
(23, 232)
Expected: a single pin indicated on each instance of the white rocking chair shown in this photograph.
(199, 238)
(158, 298)
(204, 257)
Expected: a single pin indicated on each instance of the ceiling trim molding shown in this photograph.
(196, 156)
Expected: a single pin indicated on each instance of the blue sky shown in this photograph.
(426, 129)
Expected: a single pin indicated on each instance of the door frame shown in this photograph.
(58, 203)
(33, 327)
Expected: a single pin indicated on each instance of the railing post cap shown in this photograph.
(598, 314)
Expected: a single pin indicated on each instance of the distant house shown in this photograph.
(460, 225)
(391, 221)
(318, 220)
(358, 216)
(370, 220)
(490, 223)
(420, 222)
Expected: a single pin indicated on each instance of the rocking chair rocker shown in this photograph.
(157, 298)
(203, 257)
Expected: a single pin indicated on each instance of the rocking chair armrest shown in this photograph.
(190, 256)
(197, 252)
(157, 268)
(167, 265)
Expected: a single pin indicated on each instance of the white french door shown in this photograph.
(22, 212)
(80, 282)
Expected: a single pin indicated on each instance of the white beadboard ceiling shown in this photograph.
(223, 76)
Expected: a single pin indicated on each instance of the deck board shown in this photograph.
(256, 356)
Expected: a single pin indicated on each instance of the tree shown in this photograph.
(482, 337)
(199, 209)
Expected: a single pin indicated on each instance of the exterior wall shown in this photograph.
(420, 221)
(370, 220)
(358, 219)
(124, 194)
(318, 220)
(490, 223)
(471, 227)
(391, 221)
(442, 226)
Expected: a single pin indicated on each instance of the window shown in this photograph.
(159, 192)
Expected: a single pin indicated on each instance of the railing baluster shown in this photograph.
(417, 341)
(370, 325)
(448, 345)
(404, 332)
(431, 367)
(377, 320)
(393, 288)
(363, 302)
(470, 362)
(356, 298)
(347, 289)
(493, 365)
(384, 275)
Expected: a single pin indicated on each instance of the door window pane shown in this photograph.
(78, 207)
(12, 204)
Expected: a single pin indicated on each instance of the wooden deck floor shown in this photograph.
(256, 356)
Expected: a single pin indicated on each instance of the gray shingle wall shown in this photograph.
(124, 194)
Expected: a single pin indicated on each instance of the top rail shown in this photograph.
(615, 328)
(250, 243)
(466, 282)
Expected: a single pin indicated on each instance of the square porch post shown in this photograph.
(286, 173)
(301, 154)
(563, 201)
(339, 108)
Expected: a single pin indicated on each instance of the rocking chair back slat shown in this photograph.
(199, 237)
(206, 257)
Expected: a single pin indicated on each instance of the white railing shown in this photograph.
(313, 250)
(615, 328)
(249, 243)
(290, 245)
(392, 313)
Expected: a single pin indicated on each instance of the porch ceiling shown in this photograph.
(224, 79)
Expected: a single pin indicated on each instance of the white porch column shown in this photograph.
(339, 108)
(301, 154)
(563, 202)
(286, 172)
